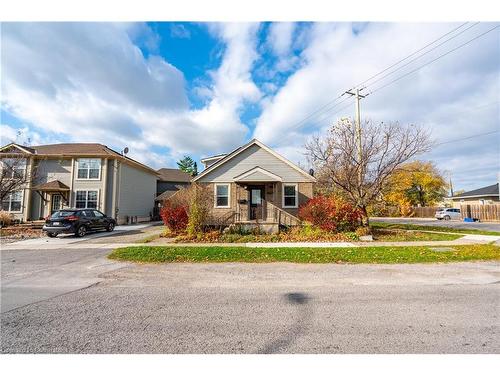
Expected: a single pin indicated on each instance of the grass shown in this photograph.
(431, 228)
(392, 235)
(384, 255)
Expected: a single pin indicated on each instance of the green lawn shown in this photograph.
(411, 254)
(391, 235)
(431, 228)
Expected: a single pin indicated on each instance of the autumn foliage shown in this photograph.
(331, 213)
(174, 216)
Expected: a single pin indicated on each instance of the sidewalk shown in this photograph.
(466, 240)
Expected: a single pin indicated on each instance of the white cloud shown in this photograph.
(86, 82)
(335, 59)
(179, 31)
(280, 37)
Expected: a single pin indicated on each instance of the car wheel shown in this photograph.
(110, 227)
(51, 235)
(447, 217)
(81, 231)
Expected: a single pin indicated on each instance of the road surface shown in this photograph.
(77, 301)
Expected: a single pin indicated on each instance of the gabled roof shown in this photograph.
(23, 149)
(491, 190)
(173, 175)
(257, 174)
(239, 150)
(55, 185)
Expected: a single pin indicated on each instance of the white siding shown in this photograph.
(253, 157)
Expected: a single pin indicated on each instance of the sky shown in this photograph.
(165, 90)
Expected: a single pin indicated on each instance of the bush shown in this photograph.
(5, 218)
(174, 216)
(199, 208)
(331, 213)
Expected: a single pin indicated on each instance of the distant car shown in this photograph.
(77, 221)
(448, 214)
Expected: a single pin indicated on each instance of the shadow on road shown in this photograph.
(303, 315)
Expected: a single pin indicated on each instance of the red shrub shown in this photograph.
(174, 216)
(330, 213)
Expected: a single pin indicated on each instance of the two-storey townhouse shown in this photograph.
(81, 175)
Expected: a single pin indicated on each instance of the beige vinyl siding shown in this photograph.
(109, 189)
(88, 184)
(252, 157)
(53, 169)
(137, 190)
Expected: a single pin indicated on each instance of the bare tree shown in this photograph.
(385, 147)
(14, 175)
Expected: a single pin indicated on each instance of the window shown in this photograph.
(13, 202)
(98, 214)
(14, 167)
(222, 195)
(86, 199)
(290, 199)
(89, 169)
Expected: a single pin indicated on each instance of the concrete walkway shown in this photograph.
(465, 240)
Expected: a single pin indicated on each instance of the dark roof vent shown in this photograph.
(311, 172)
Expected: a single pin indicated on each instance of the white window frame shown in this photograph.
(88, 170)
(296, 186)
(87, 199)
(228, 195)
(23, 165)
(10, 202)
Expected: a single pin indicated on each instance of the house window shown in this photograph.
(89, 169)
(14, 168)
(86, 199)
(222, 195)
(13, 202)
(290, 198)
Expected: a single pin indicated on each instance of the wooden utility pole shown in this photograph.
(358, 96)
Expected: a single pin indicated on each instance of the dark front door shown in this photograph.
(256, 200)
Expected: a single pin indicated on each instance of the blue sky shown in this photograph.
(171, 89)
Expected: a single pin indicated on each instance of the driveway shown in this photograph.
(122, 233)
(489, 226)
(77, 301)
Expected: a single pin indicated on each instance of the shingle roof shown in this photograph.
(55, 185)
(484, 191)
(173, 175)
(75, 149)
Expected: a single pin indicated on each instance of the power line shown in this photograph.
(413, 54)
(433, 60)
(466, 138)
(422, 55)
(324, 108)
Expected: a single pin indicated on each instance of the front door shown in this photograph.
(56, 203)
(256, 202)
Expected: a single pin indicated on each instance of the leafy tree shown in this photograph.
(416, 183)
(385, 147)
(188, 165)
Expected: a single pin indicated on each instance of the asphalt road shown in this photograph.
(79, 302)
(489, 226)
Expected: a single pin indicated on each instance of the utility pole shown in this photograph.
(358, 96)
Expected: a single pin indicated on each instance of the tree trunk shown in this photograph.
(365, 221)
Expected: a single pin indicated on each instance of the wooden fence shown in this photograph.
(483, 212)
(424, 211)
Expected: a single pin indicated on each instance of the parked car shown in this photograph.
(448, 214)
(77, 221)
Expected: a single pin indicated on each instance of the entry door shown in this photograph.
(256, 202)
(56, 203)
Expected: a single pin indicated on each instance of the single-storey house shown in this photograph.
(255, 185)
(485, 195)
(81, 175)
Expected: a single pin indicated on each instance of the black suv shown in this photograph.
(78, 221)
